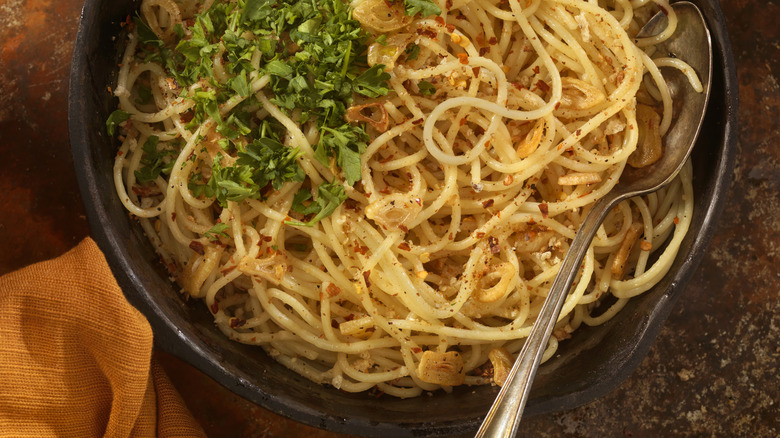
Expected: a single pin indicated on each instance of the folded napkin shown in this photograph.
(76, 357)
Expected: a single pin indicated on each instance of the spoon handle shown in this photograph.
(504, 416)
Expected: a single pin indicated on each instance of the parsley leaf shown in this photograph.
(373, 82)
(426, 88)
(346, 144)
(412, 52)
(216, 231)
(233, 183)
(144, 94)
(426, 8)
(272, 162)
(117, 117)
(298, 206)
(240, 85)
(329, 197)
(153, 161)
(145, 33)
(279, 68)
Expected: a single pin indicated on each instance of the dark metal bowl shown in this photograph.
(592, 364)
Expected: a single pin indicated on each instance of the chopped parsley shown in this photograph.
(117, 117)
(426, 88)
(424, 7)
(329, 197)
(314, 55)
(216, 231)
(154, 160)
(412, 52)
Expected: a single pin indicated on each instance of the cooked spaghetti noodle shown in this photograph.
(504, 121)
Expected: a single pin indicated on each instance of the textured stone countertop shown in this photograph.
(711, 372)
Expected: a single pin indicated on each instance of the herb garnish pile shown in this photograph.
(315, 56)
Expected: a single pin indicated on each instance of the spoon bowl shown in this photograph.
(689, 104)
(692, 42)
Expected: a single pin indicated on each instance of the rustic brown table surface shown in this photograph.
(711, 372)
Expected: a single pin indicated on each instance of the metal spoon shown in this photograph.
(691, 42)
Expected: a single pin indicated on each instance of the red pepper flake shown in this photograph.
(267, 238)
(462, 121)
(557, 104)
(215, 307)
(463, 58)
(476, 71)
(676, 220)
(480, 39)
(417, 121)
(173, 216)
(495, 248)
(197, 246)
(366, 275)
(479, 235)
(578, 132)
(416, 350)
(351, 204)
(544, 208)
(439, 19)
(542, 85)
(360, 249)
(427, 33)
(404, 246)
(119, 153)
(488, 203)
(385, 191)
(448, 4)
(450, 28)
(403, 228)
(484, 51)
(493, 41)
(536, 69)
(236, 322)
(188, 116)
(332, 290)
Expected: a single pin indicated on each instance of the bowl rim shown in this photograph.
(170, 338)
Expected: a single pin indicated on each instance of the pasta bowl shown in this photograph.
(595, 361)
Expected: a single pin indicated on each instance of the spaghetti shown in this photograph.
(484, 132)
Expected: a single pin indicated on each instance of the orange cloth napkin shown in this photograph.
(76, 357)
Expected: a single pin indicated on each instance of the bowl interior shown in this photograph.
(595, 361)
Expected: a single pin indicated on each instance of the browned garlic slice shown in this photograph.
(441, 368)
(502, 362)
